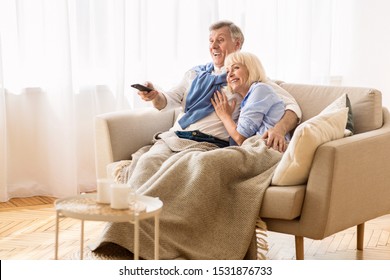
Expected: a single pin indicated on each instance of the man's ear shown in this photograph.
(237, 45)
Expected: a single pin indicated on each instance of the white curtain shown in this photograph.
(64, 61)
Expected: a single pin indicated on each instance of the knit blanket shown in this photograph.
(212, 198)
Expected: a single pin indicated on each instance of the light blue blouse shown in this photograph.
(260, 110)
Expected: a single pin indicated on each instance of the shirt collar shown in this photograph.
(219, 70)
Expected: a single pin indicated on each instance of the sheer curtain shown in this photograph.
(64, 61)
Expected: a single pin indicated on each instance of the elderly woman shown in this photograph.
(261, 108)
(212, 197)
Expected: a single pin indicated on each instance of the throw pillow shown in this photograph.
(342, 102)
(294, 167)
(350, 125)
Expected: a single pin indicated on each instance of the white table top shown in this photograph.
(85, 207)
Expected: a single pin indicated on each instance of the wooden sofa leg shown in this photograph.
(360, 236)
(299, 252)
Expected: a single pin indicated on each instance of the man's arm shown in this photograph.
(169, 99)
(276, 136)
(160, 101)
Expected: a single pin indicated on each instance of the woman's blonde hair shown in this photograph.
(251, 62)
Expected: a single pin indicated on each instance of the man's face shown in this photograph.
(221, 44)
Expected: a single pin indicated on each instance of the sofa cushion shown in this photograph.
(366, 103)
(294, 167)
(283, 202)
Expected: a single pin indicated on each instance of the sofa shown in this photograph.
(347, 181)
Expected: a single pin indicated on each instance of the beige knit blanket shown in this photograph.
(212, 199)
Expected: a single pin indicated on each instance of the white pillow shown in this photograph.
(339, 103)
(294, 167)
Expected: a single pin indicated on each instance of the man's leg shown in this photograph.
(149, 163)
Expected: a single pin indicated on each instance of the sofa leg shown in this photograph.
(299, 252)
(360, 237)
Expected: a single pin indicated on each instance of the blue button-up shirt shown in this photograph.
(261, 109)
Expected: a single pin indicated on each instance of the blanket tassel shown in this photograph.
(262, 244)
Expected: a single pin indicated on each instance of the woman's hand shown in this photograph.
(221, 105)
(224, 111)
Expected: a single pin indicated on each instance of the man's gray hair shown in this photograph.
(235, 31)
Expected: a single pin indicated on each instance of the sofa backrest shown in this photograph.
(366, 103)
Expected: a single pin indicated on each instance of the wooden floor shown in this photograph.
(27, 232)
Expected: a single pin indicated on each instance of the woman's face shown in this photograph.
(237, 77)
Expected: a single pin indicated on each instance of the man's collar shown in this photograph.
(219, 70)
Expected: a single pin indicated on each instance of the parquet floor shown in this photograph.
(340, 246)
(27, 232)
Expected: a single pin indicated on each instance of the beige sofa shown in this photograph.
(348, 183)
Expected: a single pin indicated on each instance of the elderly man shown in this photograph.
(198, 120)
(194, 94)
(200, 184)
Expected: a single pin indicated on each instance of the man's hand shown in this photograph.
(158, 99)
(148, 96)
(275, 139)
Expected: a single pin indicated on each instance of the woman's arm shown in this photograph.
(224, 111)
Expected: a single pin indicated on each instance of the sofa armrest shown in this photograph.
(119, 134)
(349, 182)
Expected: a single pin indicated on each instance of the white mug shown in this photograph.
(103, 190)
(120, 196)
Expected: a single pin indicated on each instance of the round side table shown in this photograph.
(85, 208)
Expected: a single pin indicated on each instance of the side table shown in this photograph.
(85, 208)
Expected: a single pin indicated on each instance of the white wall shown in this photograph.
(365, 57)
(321, 41)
